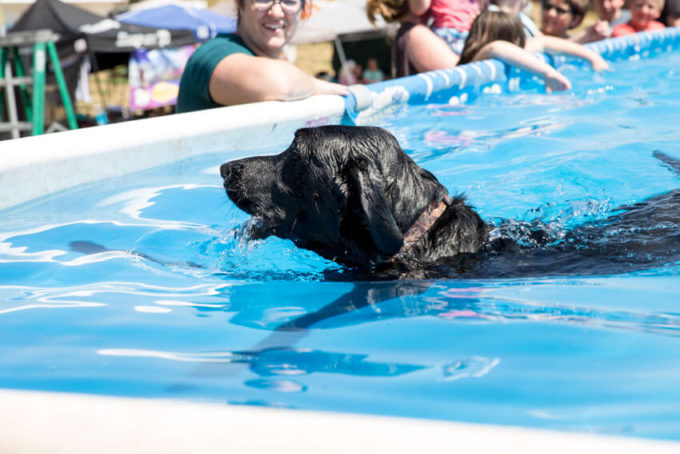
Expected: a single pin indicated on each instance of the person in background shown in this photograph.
(560, 16)
(495, 34)
(610, 13)
(671, 13)
(248, 66)
(358, 73)
(643, 18)
(347, 74)
(451, 19)
(372, 73)
(415, 48)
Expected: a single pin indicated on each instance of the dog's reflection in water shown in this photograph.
(278, 355)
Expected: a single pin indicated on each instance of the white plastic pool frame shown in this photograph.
(54, 423)
(32, 167)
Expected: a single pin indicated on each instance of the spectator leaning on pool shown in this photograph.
(643, 18)
(496, 34)
(248, 66)
(415, 48)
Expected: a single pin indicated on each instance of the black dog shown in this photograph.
(352, 195)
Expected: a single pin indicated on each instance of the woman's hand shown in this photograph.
(322, 87)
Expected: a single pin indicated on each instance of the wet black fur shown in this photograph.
(350, 194)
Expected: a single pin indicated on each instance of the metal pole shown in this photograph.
(38, 88)
(61, 83)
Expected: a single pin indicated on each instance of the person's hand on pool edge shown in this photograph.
(555, 81)
(322, 87)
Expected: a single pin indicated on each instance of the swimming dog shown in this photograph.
(352, 195)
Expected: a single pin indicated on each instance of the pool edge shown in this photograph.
(32, 167)
(55, 423)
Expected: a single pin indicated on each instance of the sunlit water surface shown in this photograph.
(143, 286)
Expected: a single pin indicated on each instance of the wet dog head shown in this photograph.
(348, 193)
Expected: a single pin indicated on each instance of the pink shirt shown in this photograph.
(457, 14)
(628, 29)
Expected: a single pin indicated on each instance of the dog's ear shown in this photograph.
(375, 209)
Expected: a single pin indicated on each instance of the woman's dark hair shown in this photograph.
(492, 26)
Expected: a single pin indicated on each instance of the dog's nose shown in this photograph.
(225, 171)
(232, 172)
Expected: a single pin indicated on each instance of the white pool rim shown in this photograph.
(58, 423)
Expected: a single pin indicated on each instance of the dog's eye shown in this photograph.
(362, 164)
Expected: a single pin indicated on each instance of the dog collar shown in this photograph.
(424, 222)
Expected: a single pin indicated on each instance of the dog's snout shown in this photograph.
(231, 171)
(225, 171)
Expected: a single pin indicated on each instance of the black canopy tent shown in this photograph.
(107, 42)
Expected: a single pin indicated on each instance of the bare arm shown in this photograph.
(241, 78)
(516, 56)
(419, 7)
(553, 44)
(427, 51)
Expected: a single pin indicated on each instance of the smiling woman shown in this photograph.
(247, 66)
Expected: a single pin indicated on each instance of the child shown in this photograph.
(415, 48)
(372, 73)
(500, 35)
(516, 7)
(559, 16)
(643, 14)
(451, 19)
(610, 13)
(348, 73)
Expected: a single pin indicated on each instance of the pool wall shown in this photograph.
(456, 85)
(32, 167)
(58, 423)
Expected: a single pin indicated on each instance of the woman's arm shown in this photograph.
(427, 51)
(553, 44)
(242, 78)
(516, 56)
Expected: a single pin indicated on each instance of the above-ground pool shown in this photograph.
(144, 285)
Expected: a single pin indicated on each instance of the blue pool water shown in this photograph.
(143, 285)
